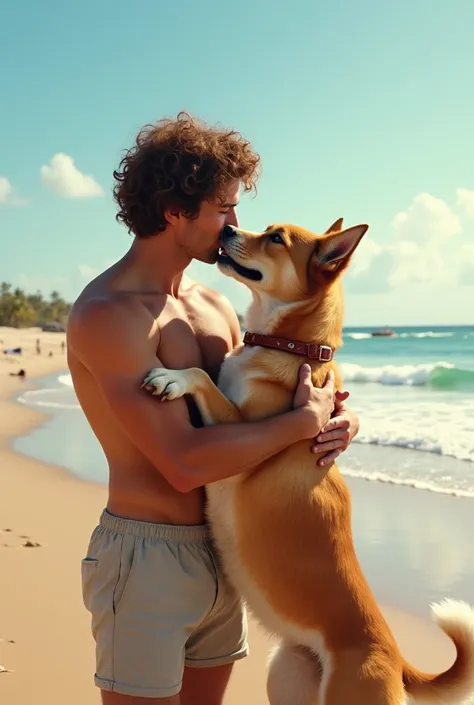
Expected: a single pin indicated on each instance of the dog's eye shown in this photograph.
(276, 238)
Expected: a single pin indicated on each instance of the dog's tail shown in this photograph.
(455, 685)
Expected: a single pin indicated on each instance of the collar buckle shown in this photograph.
(325, 353)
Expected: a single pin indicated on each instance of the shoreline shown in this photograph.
(41, 608)
(43, 417)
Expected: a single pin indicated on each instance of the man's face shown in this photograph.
(201, 237)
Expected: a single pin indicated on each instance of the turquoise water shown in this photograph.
(414, 394)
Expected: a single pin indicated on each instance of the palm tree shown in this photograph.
(18, 309)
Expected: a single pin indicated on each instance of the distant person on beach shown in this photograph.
(167, 624)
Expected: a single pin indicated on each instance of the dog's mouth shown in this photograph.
(225, 260)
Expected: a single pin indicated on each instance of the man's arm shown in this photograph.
(117, 344)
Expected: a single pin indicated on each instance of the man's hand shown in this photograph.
(318, 403)
(336, 436)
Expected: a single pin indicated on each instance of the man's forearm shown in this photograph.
(216, 452)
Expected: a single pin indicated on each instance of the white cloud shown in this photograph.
(89, 272)
(465, 199)
(38, 283)
(467, 254)
(427, 219)
(7, 194)
(415, 264)
(365, 255)
(374, 278)
(5, 189)
(63, 178)
(466, 272)
(426, 249)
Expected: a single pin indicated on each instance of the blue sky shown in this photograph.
(363, 110)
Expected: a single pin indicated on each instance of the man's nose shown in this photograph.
(232, 218)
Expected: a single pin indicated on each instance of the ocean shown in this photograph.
(413, 392)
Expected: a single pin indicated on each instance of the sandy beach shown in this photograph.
(46, 516)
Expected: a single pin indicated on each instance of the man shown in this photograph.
(168, 627)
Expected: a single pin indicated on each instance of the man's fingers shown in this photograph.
(305, 373)
(327, 446)
(336, 423)
(329, 458)
(338, 434)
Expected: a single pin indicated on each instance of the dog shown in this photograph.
(283, 529)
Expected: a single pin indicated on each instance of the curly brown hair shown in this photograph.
(175, 165)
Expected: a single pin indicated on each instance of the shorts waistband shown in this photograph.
(150, 530)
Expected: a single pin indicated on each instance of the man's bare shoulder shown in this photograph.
(109, 321)
(104, 308)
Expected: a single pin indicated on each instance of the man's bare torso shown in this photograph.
(190, 331)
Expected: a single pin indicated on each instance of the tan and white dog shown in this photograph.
(283, 529)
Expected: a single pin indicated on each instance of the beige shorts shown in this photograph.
(159, 601)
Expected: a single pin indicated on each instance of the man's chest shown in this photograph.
(194, 336)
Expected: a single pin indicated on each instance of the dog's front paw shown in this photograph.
(167, 384)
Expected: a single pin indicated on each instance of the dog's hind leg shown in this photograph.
(294, 676)
(357, 680)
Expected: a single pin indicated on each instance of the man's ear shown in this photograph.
(335, 227)
(334, 250)
(171, 217)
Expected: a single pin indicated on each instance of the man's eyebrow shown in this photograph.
(229, 205)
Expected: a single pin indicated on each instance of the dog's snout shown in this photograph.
(228, 231)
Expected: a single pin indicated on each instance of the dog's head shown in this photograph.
(286, 262)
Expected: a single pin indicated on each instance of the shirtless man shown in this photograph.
(167, 625)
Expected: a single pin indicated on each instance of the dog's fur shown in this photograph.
(284, 528)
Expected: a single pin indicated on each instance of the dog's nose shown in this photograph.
(228, 231)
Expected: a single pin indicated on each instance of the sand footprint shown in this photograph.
(5, 670)
(6, 531)
(28, 543)
(31, 544)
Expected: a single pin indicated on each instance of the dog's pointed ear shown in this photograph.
(335, 227)
(334, 250)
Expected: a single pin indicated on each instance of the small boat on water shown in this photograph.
(383, 333)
